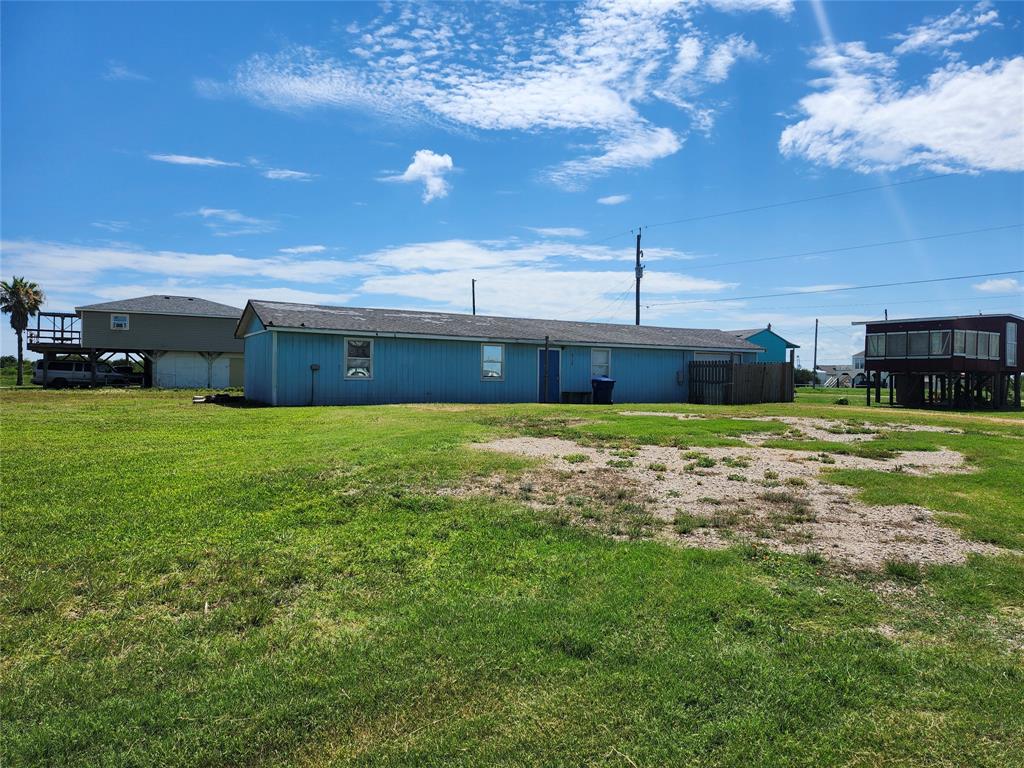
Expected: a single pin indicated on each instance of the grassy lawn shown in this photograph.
(220, 586)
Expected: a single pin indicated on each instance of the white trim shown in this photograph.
(500, 340)
(254, 333)
(603, 349)
(504, 361)
(273, 368)
(344, 359)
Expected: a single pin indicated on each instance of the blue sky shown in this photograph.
(386, 154)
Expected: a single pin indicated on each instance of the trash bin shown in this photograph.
(602, 387)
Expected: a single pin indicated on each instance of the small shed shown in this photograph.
(776, 349)
(959, 360)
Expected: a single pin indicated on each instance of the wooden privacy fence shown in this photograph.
(725, 383)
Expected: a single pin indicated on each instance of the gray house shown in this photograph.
(189, 341)
(181, 341)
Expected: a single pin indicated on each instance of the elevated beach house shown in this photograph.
(300, 354)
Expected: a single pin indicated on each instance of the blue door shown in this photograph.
(548, 367)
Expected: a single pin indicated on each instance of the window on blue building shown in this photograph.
(358, 359)
(600, 362)
(492, 362)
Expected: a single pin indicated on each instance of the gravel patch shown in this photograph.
(710, 497)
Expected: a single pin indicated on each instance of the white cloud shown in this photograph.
(943, 32)
(727, 53)
(110, 226)
(300, 249)
(534, 291)
(589, 67)
(1000, 285)
(118, 71)
(429, 168)
(75, 266)
(284, 174)
(559, 231)
(613, 199)
(226, 222)
(636, 150)
(961, 118)
(210, 162)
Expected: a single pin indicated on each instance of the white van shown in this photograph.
(75, 373)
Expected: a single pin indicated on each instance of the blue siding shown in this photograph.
(258, 354)
(774, 347)
(427, 370)
(404, 371)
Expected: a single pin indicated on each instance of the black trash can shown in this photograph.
(602, 387)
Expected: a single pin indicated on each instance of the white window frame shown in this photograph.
(867, 346)
(607, 365)
(888, 346)
(939, 335)
(993, 346)
(1011, 344)
(959, 340)
(967, 344)
(482, 361)
(927, 345)
(371, 358)
(116, 326)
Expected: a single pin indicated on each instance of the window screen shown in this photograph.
(896, 344)
(993, 346)
(119, 322)
(972, 343)
(1011, 344)
(492, 361)
(600, 362)
(959, 343)
(917, 344)
(876, 345)
(358, 359)
(939, 344)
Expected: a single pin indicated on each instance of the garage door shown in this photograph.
(181, 370)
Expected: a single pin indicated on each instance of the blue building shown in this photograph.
(776, 349)
(299, 354)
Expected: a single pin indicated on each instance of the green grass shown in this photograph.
(206, 585)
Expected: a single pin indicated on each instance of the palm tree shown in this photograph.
(21, 300)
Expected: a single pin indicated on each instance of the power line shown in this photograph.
(769, 206)
(784, 203)
(862, 246)
(611, 305)
(838, 290)
(958, 299)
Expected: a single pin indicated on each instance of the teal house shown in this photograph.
(776, 349)
(301, 354)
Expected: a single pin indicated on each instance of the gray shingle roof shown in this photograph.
(396, 321)
(159, 304)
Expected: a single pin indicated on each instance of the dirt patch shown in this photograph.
(711, 497)
(807, 428)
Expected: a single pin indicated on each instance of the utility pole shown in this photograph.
(639, 275)
(814, 372)
(474, 295)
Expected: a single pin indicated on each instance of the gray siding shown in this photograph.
(179, 333)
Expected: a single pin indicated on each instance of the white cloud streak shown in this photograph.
(227, 222)
(303, 249)
(939, 34)
(613, 199)
(208, 162)
(582, 68)
(285, 174)
(999, 285)
(559, 231)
